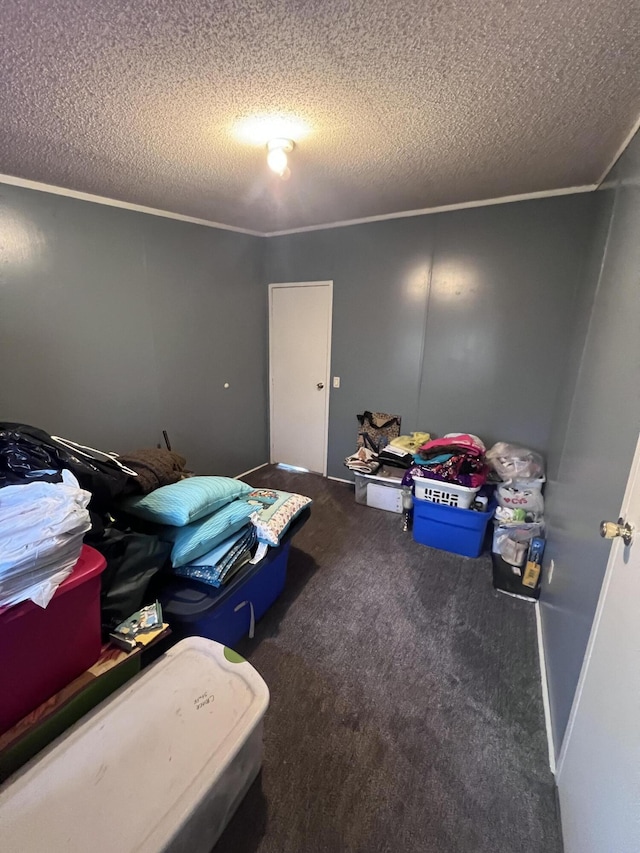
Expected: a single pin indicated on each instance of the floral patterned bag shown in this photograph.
(377, 429)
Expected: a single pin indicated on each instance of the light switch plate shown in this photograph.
(336, 381)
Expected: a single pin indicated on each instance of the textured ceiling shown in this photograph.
(409, 103)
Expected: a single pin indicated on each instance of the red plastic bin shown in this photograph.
(42, 650)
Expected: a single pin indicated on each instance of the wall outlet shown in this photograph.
(336, 381)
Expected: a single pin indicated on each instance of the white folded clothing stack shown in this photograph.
(42, 526)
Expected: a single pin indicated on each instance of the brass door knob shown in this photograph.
(611, 530)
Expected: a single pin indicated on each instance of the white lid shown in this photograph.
(125, 777)
(381, 478)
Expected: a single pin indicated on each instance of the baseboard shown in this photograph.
(250, 471)
(340, 480)
(545, 691)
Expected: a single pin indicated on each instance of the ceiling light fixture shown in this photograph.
(277, 156)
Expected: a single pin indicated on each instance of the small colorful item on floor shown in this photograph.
(140, 628)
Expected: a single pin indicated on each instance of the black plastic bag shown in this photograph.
(23, 460)
(25, 449)
(133, 559)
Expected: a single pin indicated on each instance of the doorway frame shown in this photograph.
(281, 284)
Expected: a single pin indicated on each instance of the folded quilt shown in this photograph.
(222, 562)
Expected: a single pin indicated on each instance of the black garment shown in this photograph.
(133, 559)
(389, 457)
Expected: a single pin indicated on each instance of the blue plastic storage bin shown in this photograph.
(449, 528)
(193, 608)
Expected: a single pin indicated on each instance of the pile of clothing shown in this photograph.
(42, 526)
(456, 458)
(141, 510)
(55, 493)
(379, 442)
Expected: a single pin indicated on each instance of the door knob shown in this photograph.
(611, 530)
(320, 386)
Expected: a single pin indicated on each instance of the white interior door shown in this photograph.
(299, 365)
(599, 767)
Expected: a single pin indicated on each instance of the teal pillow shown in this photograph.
(186, 501)
(196, 539)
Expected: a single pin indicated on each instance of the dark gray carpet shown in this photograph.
(406, 713)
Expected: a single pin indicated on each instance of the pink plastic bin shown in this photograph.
(41, 651)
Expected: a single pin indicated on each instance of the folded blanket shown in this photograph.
(222, 562)
(455, 442)
(155, 467)
(364, 461)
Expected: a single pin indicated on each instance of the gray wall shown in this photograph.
(115, 325)
(456, 321)
(597, 437)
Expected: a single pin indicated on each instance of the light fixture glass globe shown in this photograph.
(277, 161)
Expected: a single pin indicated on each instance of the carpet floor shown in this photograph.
(406, 713)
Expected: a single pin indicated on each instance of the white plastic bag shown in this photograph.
(511, 462)
(42, 526)
(511, 541)
(518, 495)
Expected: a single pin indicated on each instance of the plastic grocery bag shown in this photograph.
(518, 495)
(511, 541)
(511, 462)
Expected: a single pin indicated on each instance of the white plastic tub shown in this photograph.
(381, 491)
(160, 766)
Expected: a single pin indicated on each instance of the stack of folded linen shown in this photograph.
(364, 461)
(399, 453)
(42, 526)
(224, 561)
